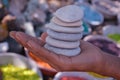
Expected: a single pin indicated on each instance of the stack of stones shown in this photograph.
(65, 31)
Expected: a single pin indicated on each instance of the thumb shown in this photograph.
(43, 36)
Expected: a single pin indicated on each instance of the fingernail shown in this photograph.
(12, 34)
(18, 35)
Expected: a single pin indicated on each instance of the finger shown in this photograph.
(8, 18)
(51, 58)
(40, 51)
(43, 36)
(32, 45)
(36, 49)
(23, 38)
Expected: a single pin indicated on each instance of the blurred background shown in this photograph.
(101, 24)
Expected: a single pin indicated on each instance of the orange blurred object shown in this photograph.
(45, 67)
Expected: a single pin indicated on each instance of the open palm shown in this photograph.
(89, 57)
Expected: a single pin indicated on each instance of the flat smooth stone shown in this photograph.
(62, 44)
(64, 36)
(66, 52)
(70, 13)
(59, 28)
(62, 23)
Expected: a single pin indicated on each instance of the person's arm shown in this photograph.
(91, 58)
(111, 66)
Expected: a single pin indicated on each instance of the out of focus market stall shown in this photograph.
(101, 24)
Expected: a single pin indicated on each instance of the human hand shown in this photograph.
(55, 4)
(90, 58)
(8, 18)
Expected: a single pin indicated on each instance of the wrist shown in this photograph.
(96, 65)
(99, 63)
(110, 66)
